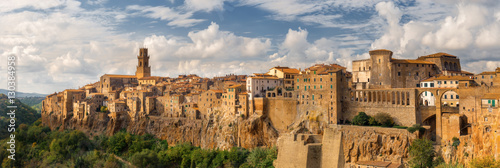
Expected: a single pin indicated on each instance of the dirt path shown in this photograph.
(124, 161)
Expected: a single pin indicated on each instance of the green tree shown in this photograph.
(146, 158)
(361, 119)
(384, 119)
(421, 153)
(237, 156)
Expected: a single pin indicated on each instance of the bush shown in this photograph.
(421, 153)
(456, 142)
(104, 109)
(361, 119)
(146, 158)
(486, 162)
(384, 119)
(373, 122)
(416, 127)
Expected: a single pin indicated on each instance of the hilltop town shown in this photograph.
(307, 113)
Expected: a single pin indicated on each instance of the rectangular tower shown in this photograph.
(143, 68)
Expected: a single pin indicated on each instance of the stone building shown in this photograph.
(231, 100)
(143, 68)
(285, 73)
(258, 84)
(208, 100)
(383, 71)
(321, 90)
(447, 64)
(485, 78)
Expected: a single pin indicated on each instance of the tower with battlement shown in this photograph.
(143, 68)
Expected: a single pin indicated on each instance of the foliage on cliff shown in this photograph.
(38, 146)
(23, 114)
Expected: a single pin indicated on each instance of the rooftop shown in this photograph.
(120, 76)
(409, 61)
(487, 73)
(459, 78)
(437, 55)
(491, 96)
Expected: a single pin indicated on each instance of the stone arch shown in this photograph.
(430, 133)
(448, 97)
(455, 66)
(446, 66)
(426, 98)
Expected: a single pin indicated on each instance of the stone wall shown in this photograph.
(399, 103)
(282, 112)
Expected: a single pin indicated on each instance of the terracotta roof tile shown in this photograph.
(408, 61)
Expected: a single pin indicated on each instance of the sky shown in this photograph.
(62, 44)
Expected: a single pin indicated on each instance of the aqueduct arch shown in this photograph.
(426, 113)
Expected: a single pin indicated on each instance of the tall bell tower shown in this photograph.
(143, 68)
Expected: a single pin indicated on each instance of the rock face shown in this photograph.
(220, 131)
(374, 143)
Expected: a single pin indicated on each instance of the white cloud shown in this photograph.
(470, 31)
(174, 17)
(10, 5)
(204, 5)
(212, 42)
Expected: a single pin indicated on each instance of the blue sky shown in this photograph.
(68, 43)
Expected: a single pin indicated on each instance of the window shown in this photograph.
(439, 82)
(482, 76)
(465, 84)
(451, 96)
(368, 79)
(399, 73)
(314, 86)
(457, 97)
(312, 97)
(321, 79)
(444, 82)
(485, 118)
(418, 85)
(445, 96)
(425, 84)
(314, 79)
(399, 65)
(331, 79)
(297, 87)
(409, 73)
(416, 73)
(417, 65)
(456, 82)
(297, 80)
(378, 60)
(331, 86)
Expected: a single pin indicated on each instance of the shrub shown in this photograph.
(373, 122)
(456, 142)
(361, 119)
(104, 109)
(384, 119)
(146, 158)
(421, 153)
(486, 162)
(416, 127)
